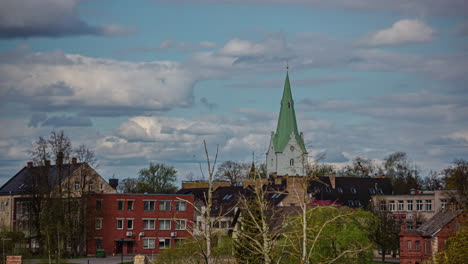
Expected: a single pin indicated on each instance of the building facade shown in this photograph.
(286, 153)
(414, 208)
(138, 223)
(418, 246)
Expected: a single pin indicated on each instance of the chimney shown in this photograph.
(332, 180)
(30, 164)
(74, 161)
(47, 163)
(59, 160)
(114, 183)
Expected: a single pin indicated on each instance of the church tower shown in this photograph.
(286, 154)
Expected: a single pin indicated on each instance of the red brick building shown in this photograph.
(137, 223)
(418, 246)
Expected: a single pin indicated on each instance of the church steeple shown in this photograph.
(287, 124)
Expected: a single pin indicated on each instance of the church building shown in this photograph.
(287, 154)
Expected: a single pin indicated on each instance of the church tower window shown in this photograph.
(291, 162)
(289, 104)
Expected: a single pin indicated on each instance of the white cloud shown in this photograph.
(103, 86)
(405, 31)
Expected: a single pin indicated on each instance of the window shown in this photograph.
(350, 203)
(164, 243)
(289, 104)
(98, 204)
(357, 203)
(416, 245)
(443, 203)
(164, 224)
(408, 244)
(148, 205)
(392, 206)
(227, 197)
(164, 205)
(148, 224)
(181, 206)
(419, 205)
(98, 223)
(120, 205)
(372, 190)
(327, 189)
(130, 205)
(91, 187)
(130, 224)
(353, 190)
(101, 186)
(149, 243)
(77, 186)
(291, 162)
(180, 224)
(428, 205)
(401, 205)
(98, 243)
(383, 205)
(380, 191)
(409, 205)
(340, 190)
(119, 224)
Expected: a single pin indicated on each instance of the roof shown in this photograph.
(437, 222)
(349, 189)
(287, 123)
(18, 184)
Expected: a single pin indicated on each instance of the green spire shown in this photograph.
(287, 123)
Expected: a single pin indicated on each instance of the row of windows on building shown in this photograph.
(352, 190)
(77, 186)
(149, 205)
(150, 242)
(417, 246)
(400, 205)
(148, 224)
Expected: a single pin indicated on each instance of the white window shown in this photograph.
(98, 223)
(383, 205)
(119, 224)
(419, 205)
(164, 224)
(392, 206)
(180, 224)
(181, 206)
(428, 205)
(148, 205)
(164, 205)
(408, 245)
(416, 245)
(409, 205)
(77, 186)
(148, 224)
(101, 186)
(91, 187)
(401, 205)
(129, 224)
(130, 205)
(149, 243)
(443, 203)
(164, 243)
(120, 205)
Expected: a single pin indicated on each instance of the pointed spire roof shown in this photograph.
(287, 123)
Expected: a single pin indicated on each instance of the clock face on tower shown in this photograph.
(292, 148)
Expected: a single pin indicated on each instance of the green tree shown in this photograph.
(385, 232)
(455, 251)
(157, 178)
(336, 235)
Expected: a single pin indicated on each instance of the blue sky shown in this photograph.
(148, 81)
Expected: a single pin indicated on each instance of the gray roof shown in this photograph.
(437, 222)
(18, 184)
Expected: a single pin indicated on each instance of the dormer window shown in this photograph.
(227, 196)
(353, 190)
(291, 162)
(340, 190)
(372, 190)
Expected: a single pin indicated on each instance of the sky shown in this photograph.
(148, 80)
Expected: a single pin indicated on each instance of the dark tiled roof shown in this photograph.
(198, 193)
(18, 184)
(350, 189)
(438, 221)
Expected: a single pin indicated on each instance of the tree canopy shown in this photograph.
(157, 178)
